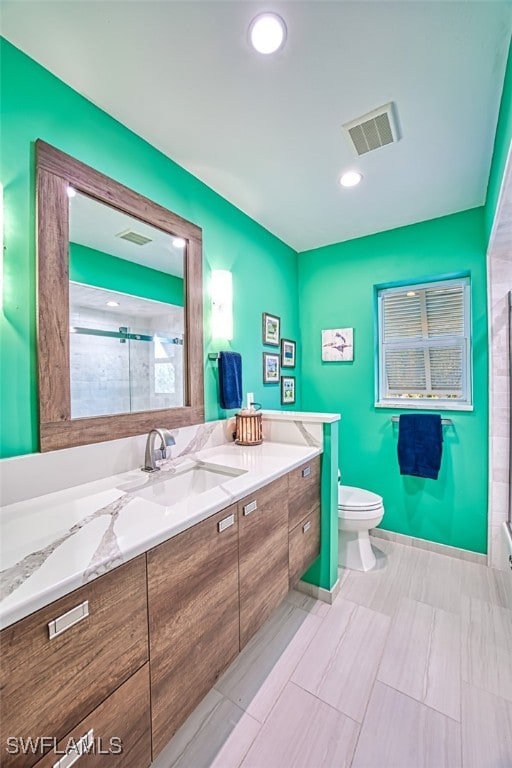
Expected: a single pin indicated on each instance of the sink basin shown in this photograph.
(172, 489)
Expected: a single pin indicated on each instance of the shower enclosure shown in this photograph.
(124, 358)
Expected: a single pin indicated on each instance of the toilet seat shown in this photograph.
(354, 499)
(360, 514)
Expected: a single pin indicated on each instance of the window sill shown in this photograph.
(424, 406)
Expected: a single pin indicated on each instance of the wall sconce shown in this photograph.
(222, 304)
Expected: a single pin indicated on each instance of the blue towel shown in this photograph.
(230, 379)
(420, 444)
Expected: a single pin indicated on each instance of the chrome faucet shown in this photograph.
(152, 453)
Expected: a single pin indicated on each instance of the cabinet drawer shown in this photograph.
(193, 618)
(263, 555)
(99, 640)
(304, 491)
(304, 545)
(115, 735)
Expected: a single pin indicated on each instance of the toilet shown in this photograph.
(358, 511)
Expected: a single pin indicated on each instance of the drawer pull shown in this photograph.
(59, 625)
(306, 526)
(226, 523)
(251, 507)
(306, 472)
(79, 748)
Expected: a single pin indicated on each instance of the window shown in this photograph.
(165, 373)
(424, 345)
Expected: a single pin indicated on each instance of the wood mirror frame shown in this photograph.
(55, 172)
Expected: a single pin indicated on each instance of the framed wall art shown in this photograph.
(287, 390)
(271, 329)
(270, 368)
(338, 345)
(288, 348)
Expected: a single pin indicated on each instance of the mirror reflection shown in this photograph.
(126, 312)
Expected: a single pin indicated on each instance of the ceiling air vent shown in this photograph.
(134, 237)
(373, 130)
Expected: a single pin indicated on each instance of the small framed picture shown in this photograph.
(287, 353)
(338, 345)
(270, 368)
(271, 329)
(287, 390)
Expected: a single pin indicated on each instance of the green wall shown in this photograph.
(87, 265)
(501, 147)
(35, 104)
(335, 291)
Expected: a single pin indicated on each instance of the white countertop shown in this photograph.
(305, 416)
(56, 543)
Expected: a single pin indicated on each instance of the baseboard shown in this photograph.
(320, 593)
(430, 546)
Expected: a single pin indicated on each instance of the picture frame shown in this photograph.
(338, 345)
(271, 329)
(288, 349)
(271, 362)
(287, 390)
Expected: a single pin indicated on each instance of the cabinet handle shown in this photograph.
(226, 523)
(251, 507)
(306, 472)
(79, 748)
(69, 619)
(306, 526)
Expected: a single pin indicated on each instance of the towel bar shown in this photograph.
(444, 422)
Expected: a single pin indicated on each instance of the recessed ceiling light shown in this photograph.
(351, 178)
(178, 242)
(267, 33)
(112, 303)
(71, 191)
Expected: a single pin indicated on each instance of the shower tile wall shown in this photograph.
(500, 283)
(108, 376)
(100, 372)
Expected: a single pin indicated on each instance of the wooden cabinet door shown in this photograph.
(116, 735)
(263, 555)
(55, 668)
(304, 545)
(193, 618)
(304, 491)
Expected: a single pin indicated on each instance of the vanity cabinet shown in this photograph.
(303, 491)
(117, 734)
(131, 654)
(193, 618)
(60, 663)
(263, 555)
(304, 545)
(304, 517)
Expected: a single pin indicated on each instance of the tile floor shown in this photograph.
(411, 667)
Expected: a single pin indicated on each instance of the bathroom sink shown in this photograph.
(171, 489)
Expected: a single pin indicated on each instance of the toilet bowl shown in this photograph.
(358, 511)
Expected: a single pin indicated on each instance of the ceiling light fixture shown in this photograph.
(178, 242)
(351, 178)
(267, 33)
(411, 293)
(71, 191)
(112, 303)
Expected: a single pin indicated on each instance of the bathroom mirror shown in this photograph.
(119, 308)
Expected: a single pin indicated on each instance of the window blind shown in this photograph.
(423, 341)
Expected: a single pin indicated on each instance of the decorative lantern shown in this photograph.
(249, 430)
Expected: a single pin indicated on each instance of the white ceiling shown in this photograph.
(96, 225)
(265, 132)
